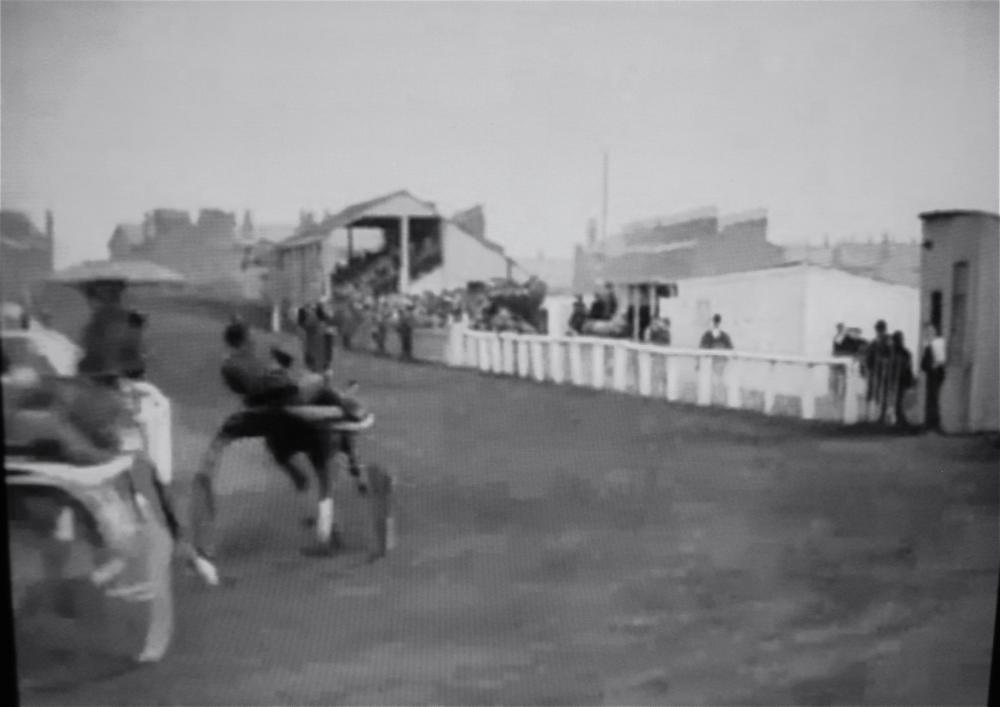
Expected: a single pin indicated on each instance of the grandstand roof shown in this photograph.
(347, 216)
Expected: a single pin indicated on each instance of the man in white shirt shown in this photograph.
(932, 363)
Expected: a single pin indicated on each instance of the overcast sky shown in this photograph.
(839, 118)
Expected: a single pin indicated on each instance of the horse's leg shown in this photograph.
(380, 508)
(203, 511)
(203, 503)
(323, 464)
(355, 468)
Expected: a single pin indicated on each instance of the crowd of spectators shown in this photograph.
(354, 309)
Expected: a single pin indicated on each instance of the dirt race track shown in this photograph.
(561, 546)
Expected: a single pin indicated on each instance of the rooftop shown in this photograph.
(346, 217)
(954, 213)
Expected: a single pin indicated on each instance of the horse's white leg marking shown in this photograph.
(324, 520)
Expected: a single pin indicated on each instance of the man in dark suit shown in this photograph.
(716, 338)
(405, 325)
(878, 359)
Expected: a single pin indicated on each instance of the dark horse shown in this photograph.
(320, 433)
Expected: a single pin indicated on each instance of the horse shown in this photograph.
(323, 432)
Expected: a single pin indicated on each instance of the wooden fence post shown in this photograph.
(598, 365)
(673, 378)
(645, 372)
(852, 391)
(620, 381)
(705, 379)
(538, 359)
(556, 359)
(523, 358)
(496, 364)
(483, 351)
(575, 362)
(734, 376)
(509, 364)
(809, 395)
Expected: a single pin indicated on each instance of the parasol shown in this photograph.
(129, 272)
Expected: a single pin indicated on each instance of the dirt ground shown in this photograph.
(561, 546)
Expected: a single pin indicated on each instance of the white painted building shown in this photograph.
(960, 293)
(789, 310)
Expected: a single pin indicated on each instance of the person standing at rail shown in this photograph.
(716, 338)
(311, 333)
(932, 364)
(405, 328)
(878, 360)
(904, 378)
(327, 335)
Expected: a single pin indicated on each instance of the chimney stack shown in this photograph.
(50, 230)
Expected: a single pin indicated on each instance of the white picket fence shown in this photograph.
(821, 388)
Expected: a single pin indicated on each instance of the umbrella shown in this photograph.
(131, 272)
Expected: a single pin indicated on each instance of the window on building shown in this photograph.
(959, 309)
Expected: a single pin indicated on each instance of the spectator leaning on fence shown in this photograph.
(932, 363)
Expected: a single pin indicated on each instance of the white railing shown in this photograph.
(810, 388)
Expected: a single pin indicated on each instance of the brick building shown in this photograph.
(213, 253)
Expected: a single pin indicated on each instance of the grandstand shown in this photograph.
(410, 248)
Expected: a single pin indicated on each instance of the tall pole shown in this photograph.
(404, 255)
(604, 205)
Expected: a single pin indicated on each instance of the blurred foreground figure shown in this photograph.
(69, 420)
(112, 339)
(69, 432)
